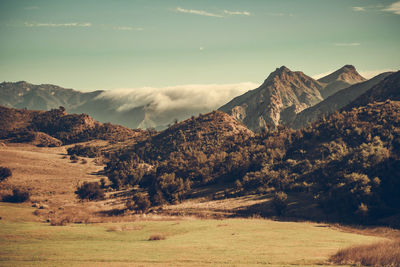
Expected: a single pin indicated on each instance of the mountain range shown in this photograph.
(286, 97)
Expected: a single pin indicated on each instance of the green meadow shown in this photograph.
(188, 242)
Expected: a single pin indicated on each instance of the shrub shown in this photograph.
(18, 196)
(74, 158)
(155, 237)
(4, 173)
(84, 161)
(85, 151)
(279, 202)
(90, 191)
(141, 201)
(103, 183)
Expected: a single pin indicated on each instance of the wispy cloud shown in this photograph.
(359, 8)
(198, 12)
(346, 44)
(394, 8)
(222, 14)
(240, 13)
(71, 24)
(128, 28)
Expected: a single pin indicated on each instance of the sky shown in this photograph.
(97, 44)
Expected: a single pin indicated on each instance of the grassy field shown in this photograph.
(188, 242)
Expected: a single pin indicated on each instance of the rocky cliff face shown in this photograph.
(283, 94)
(339, 80)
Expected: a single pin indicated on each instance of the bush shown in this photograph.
(84, 151)
(141, 201)
(18, 196)
(90, 191)
(4, 173)
(279, 202)
(155, 237)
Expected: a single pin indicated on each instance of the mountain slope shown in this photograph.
(389, 88)
(283, 94)
(336, 101)
(340, 79)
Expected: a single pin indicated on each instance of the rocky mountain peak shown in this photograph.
(340, 79)
(283, 94)
(347, 73)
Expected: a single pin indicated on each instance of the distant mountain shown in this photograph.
(41, 97)
(340, 79)
(283, 94)
(389, 88)
(336, 101)
(56, 127)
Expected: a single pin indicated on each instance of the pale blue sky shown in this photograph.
(98, 44)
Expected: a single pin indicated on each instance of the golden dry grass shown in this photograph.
(379, 254)
(51, 179)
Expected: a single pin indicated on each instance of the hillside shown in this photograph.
(56, 127)
(190, 153)
(349, 155)
(389, 88)
(349, 161)
(340, 79)
(283, 94)
(335, 102)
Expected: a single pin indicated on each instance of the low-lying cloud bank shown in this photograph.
(164, 104)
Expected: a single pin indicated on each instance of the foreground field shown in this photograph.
(188, 242)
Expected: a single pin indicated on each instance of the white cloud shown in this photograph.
(347, 44)
(358, 8)
(372, 73)
(242, 13)
(128, 28)
(197, 12)
(191, 97)
(394, 8)
(71, 24)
